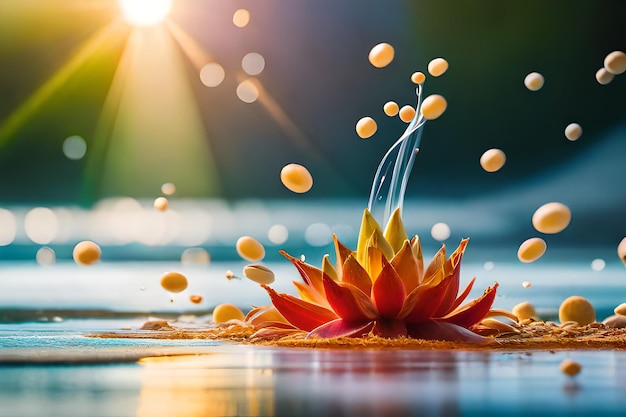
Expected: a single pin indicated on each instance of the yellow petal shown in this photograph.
(395, 233)
(368, 227)
(329, 269)
(378, 241)
(373, 262)
(416, 246)
(264, 314)
(310, 294)
(406, 266)
(496, 312)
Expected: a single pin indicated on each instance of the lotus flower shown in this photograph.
(382, 288)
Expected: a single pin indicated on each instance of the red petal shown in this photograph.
(436, 330)
(464, 295)
(390, 329)
(341, 328)
(353, 273)
(474, 311)
(301, 314)
(342, 252)
(348, 301)
(310, 274)
(406, 266)
(388, 292)
(452, 267)
(421, 304)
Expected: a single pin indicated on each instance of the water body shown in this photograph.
(238, 380)
(49, 367)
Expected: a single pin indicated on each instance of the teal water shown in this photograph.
(57, 292)
(236, 380)
(50, 367)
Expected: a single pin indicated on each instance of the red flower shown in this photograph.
(382, 288)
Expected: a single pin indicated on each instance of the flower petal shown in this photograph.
(496, 312)
(353, 273)
(328, 268)
(474, 311)
(302, 314)
(310, 294)
(452, 267)
(395, 232)
(341, 328)
(435, 271)
(310, 274)
(373, 262)
(368, 227)
(436, 330)
(421, 304)
(349, 302)
(390, 329)
(275, 325)
(378, 241)
(463, 295)
(260, 316)
(416, 246)
(388, 292)
(273, 333)
(406, 266)
(342, 252)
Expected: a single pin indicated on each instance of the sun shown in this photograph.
(145, 12)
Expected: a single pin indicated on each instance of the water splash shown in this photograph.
(394, 169)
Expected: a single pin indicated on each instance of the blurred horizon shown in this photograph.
(95, 110)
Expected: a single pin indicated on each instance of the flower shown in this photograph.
(382, 288)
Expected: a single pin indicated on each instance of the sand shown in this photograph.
(537, 335)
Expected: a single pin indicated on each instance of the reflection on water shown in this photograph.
(193, 386)
(68, 391)
(265, 382)
(253, 381)
(241, 380)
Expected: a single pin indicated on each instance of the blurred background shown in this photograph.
(104, 101)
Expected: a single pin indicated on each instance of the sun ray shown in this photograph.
(14, 122)
(279, 115)
(199, 57)
(192, 49)
(151, 130)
